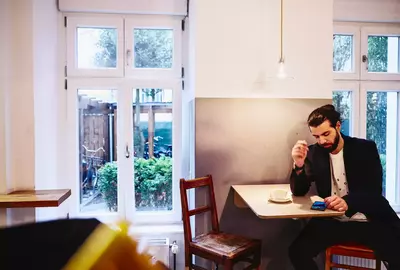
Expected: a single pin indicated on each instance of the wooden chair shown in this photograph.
(351, 251)
(216, 246)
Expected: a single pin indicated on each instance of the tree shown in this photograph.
(107, 57)
(153, 48)
(342, 51)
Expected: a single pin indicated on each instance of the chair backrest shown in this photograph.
(186, 213)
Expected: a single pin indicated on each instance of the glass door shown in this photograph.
(96, 133)
(156, 161)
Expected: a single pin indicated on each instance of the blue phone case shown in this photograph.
(320, 206)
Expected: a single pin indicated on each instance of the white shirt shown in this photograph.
(339, 183)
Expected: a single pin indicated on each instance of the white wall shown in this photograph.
(20, 120)
(177, 7)
(49, 101)
(237, 45)
(5, 47)
(17, 121)
(30, 94)
(47, 89)
(4, 64)
(366, 10)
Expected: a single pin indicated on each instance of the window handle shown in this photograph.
(365, 60)
(127, 153)
(128, 57)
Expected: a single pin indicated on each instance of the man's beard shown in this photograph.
(334, 146)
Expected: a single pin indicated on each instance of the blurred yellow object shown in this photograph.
(109, 248)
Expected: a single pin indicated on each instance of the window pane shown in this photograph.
(342, 53)
(97, 151)
(343, 104)
(153, 48)
(97, 48)
(383, 54)
(153, 149)
(382, 121)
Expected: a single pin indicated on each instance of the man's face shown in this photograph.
(327, 136)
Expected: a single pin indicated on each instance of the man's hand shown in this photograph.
(299, 153)
(336, 203)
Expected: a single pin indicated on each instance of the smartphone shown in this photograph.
(320, 206)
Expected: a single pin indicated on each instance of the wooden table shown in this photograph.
(34, 198)
(256, 197)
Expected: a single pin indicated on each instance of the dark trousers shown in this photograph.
(322, 233)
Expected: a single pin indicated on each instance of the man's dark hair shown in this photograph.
(323, 113)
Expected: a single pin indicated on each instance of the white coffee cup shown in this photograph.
(279, 194)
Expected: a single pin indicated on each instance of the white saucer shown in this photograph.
(280, 200)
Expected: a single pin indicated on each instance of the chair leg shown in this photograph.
(378, 264)
(188, 260)
(228, 265)
(257, 258)
(328, 259)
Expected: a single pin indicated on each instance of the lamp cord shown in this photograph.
(281, 54)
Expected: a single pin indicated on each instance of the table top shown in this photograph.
(256, 197)
(34, 198)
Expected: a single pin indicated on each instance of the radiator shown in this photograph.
(159, 248)
(357, 262)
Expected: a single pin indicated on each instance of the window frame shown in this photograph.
(363, 82)
(74, 22)
(72, 144)
(384, 30)
(156, 217)
(123, 82)
(340, 29)
(124, 89)
(354, 88)
(148, 22)
(383, 87)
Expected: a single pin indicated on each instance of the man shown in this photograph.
(347, 173)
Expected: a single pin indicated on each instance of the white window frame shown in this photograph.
(354, 88)
(124, 88)
(364, 81)
(154, 217)
(72, 146)
(394, 191)
(74, 22)
(356, 59)
(377, 31)
(148, 22)
(124, 81)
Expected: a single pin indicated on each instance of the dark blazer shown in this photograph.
(364, 178)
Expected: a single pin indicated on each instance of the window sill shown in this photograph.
(156, 229)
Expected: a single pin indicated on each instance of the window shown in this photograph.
(345, 50)
(95, 47)
(342, 102)
(381, 124)
(380, 53)
(153, 48)
(367, 92)
(345, 97)
(124, 116)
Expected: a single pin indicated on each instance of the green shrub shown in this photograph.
(107, 179)
(153, 183)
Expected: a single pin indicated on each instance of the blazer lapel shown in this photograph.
(347, 156)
